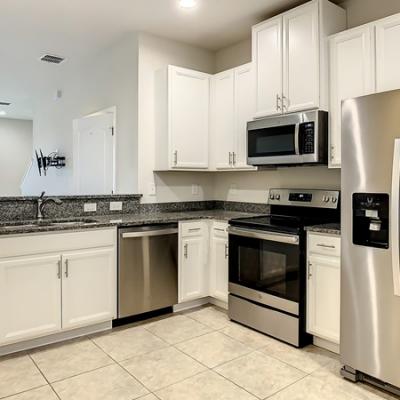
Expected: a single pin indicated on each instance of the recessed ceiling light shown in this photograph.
(187, 3)
(2, 112)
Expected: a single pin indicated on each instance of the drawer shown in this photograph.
(324, 244)
(195, 228)
(219, 229)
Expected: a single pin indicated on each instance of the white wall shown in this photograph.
(156, 53)
(16, 140)
(233, 56)
(110, 79)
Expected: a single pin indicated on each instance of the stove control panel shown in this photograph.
(305, 198)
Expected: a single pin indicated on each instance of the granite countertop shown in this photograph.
(119, 220)
(331, 229)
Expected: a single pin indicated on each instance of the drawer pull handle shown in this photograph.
(219, 229)
(185, 251)
(194, 229)
(66, 269)
(327, 246)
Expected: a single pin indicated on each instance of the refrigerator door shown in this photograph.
(370, 279)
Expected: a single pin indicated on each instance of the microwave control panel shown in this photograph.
(307, 133)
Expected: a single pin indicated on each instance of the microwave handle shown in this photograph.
(297, 139)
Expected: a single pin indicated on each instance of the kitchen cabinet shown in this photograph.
(351, 75)
(50, 283)
(30, 297)
(193, 261)
(290, 53)
(87, 296)
(232, 105)
(387, 38)
(323, 288)
(183, 127)
(219, 255)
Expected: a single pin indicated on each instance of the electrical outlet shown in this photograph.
(115, 205)
(152, 189)
(195, 189)
(90, 207)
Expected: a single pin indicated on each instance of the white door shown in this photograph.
(323, 297)
(223, 117)
(351, 75)
(267, 57)
(192, 269)
(30, 297)
(219, 268)
(301, 58)
(189, 98)
(93, 154)
(89, 287)
(245, 106)
(387, 54)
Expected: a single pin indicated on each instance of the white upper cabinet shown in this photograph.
(183, 127)
(233, 105)
(267, 57)
(351, 75)
(290, 55)
(387, 53)
(301, 59)
(223, 118)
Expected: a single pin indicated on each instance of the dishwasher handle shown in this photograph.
(159, 232)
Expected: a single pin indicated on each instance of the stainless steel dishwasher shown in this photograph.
(148, 269)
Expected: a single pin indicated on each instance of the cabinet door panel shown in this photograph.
(223, 119)
(323, 298)
(189, 98)
(244, 111)
(30, 297)
(351, 75)
(267, 55)
(89, 287)
(301, 59)
(219, 268)
(387, 54)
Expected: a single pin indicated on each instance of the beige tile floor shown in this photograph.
(196, 355)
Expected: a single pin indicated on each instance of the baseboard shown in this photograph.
(191, 304)
(218, 303)
(326, 344)
(55, 338)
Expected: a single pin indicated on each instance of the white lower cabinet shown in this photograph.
(219, 265)
(87, 296)
(55, 282)
(323, 287)
(30, 297)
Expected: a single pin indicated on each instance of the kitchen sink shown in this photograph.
(49, 223)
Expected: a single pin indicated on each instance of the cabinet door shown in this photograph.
(244, 112)
(30, 297)
(192, 268)
(219, 267)
(351, 75)
(223, 118)
(323, 297)
(188, 98)
(301, 58)
(387, 54)
(89, 287)
(267, 56)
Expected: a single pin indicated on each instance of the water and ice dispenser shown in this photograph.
(371, 220)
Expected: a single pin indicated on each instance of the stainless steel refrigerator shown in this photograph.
(370, 279)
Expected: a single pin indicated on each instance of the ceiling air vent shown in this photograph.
(52, 59)
(4, 103)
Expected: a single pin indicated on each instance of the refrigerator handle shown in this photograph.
(395, 223)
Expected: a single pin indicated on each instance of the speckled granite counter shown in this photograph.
(122, 220)
(331, 229)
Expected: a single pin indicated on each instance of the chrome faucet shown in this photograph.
(42, 201)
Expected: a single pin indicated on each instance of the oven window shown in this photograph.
(266, 266)
(275, 141)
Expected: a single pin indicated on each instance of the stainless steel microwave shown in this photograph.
(292, 139)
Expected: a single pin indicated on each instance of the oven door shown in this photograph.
(265, 267)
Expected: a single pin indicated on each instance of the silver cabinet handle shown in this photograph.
(185, 250)
(66, 268)
(226, 250)
(194, 229)
(309, 273)
(219, 229)
(326, 246)
(283, 103)
(278, 101)
(230, 158)
(175, 157)
(332, 152)
(234, 158)
(59, 269)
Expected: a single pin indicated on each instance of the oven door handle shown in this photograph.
(271, 236)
